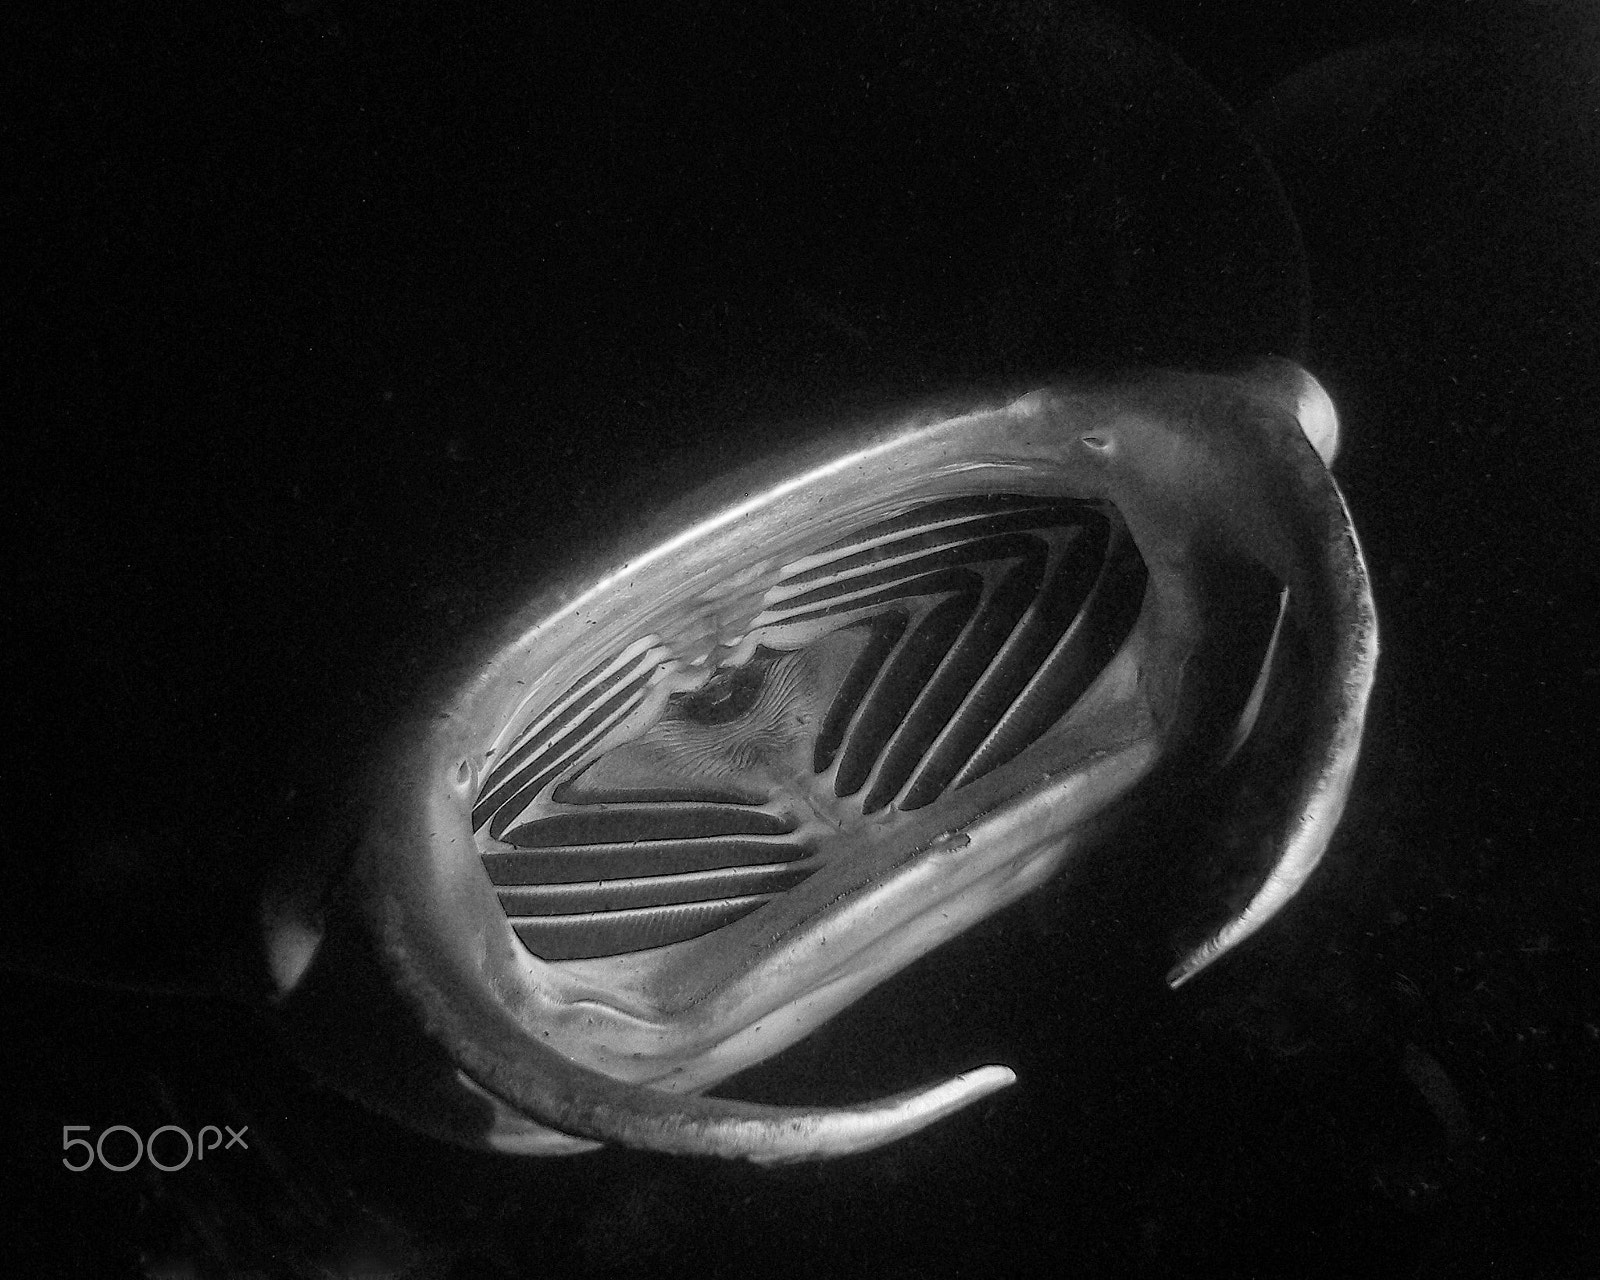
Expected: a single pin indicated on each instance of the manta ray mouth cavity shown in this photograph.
(677, 786)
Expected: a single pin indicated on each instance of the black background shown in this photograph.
(337, 321)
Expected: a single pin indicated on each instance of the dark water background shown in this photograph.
(329, 309)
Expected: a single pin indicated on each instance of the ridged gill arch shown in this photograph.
(889, 668)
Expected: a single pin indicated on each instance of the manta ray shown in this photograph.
(668, 817)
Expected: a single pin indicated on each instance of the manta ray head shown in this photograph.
(670, 816)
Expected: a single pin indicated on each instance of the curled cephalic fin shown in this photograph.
(1344, 686)
(785, 1135)
(802, 1135)
(543, 1086)
(571, 1099)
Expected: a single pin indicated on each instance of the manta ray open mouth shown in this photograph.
(659, 798)
(669, 818)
